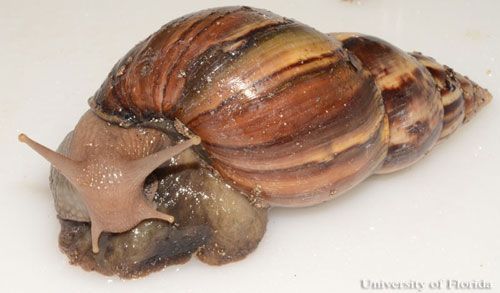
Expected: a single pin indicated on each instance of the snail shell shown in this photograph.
(284, 111)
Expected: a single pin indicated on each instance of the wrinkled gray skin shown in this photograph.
(212, 219)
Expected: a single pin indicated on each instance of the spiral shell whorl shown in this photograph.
(461, 97)
(282, 109)
(284, 112)
(410, 96)
(424, 100)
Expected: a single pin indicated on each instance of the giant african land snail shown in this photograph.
(286, 115)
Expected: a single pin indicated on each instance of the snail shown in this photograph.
(223, 113)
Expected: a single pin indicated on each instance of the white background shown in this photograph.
(440, 219)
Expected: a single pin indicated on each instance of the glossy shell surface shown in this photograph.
(283, 110)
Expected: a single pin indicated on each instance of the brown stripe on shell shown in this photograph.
(283, 78)
(276, 112)
(475, 97)
(146, 83)
(411, 100)
(318, 182)
(278, 107)
(460, 96)
(130, 83)
(141, 83)
(254, 68)
(450, 90)
(327, 129)
(228, 32)
(453, 117)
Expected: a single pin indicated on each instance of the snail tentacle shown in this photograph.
(144, 166)
(95, 233)
(65, 165)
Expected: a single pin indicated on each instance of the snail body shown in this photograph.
(285, 114)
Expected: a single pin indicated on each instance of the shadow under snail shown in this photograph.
(225, 112)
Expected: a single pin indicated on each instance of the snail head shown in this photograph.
(108, 166)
